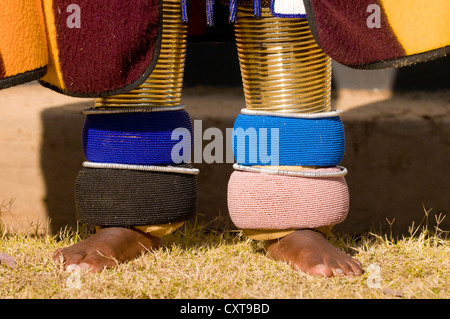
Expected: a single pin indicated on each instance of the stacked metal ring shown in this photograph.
(283, 68)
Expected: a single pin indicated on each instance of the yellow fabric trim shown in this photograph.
(156, 230)
(419, 25)
(270, 234)
(23, 46)
(54, 74)
(266, 234)
(160, 230)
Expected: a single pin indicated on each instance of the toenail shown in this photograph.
(322, 270)
(339, 271)
(72, 268)
(85, 266)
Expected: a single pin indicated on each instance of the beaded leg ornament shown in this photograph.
(287, 88)
(130, 178)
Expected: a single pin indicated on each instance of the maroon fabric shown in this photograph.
(197, 18)
(342, 32)
(2, 68)
(112, 49)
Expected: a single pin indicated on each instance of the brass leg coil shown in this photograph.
(164, 85)
(283, 69)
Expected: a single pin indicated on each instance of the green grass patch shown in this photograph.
(198, 263)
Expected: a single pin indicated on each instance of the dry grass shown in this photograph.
(198, 264)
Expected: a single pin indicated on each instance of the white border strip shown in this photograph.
(289, 7)
(309, 173)
(147, 168)
(118, 110)
(294, 115)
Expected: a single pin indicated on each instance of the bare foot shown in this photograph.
(107, 248)
(309, 251)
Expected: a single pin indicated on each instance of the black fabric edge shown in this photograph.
(394, 63)
(22, 78)
(126, 88)
(406, 60)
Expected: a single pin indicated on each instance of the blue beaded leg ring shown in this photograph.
(307, 141)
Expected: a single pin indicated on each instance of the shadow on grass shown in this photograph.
(195, 235)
